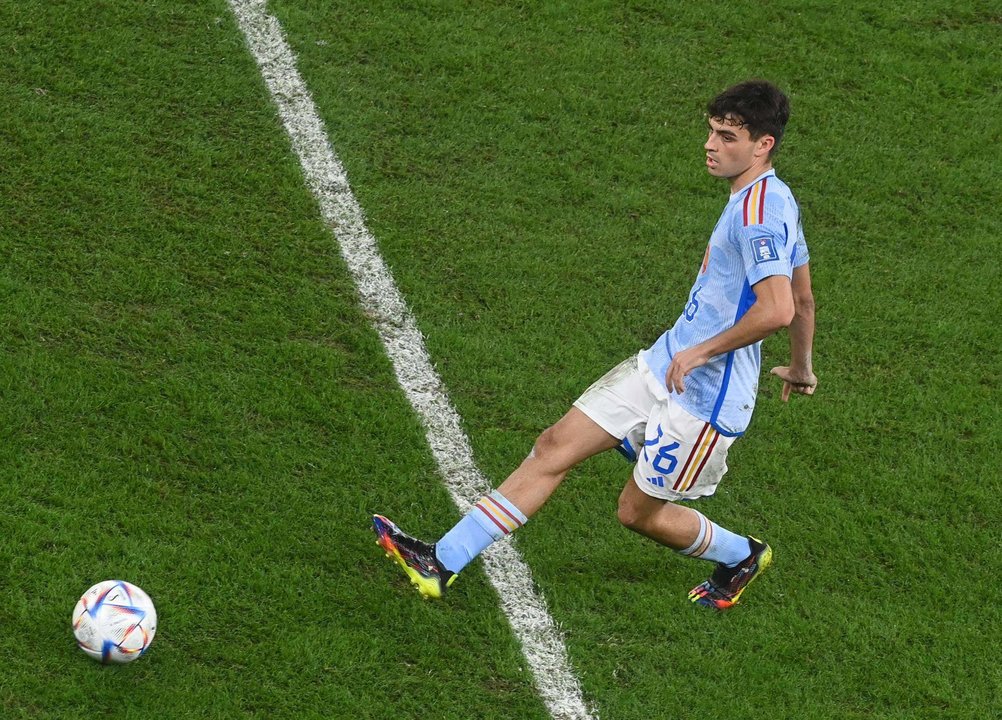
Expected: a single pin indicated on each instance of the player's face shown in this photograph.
(730, 151)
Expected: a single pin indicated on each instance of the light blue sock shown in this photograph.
(717, 544)
(727, 547)
(490, 519)
(459, 546)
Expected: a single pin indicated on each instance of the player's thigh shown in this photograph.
(620, 402)
(683, 457)
(573, 438)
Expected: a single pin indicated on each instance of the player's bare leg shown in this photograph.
(433, 567)
(672, 525)
(571, 440)
(689, 532)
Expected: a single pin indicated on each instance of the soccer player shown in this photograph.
(675, 408)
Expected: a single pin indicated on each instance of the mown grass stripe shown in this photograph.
(526, 610)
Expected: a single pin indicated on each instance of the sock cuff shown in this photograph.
(497, 515)
(703, 538)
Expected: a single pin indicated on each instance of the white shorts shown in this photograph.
(678, 456)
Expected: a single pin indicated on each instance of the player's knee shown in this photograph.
(630, 514)
(547, 448)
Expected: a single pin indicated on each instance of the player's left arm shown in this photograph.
(798, 376)
(772, 310)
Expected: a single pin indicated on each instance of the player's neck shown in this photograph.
(740, 182)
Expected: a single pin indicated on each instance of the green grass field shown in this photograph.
(192, 400)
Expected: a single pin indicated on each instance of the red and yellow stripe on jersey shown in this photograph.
(754, 206)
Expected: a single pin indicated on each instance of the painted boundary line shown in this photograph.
(542, 642)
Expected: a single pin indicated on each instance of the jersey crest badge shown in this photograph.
(764, 249)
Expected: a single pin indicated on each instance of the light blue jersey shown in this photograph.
(758, 235)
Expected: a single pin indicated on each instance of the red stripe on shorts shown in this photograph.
(713, 444)
(692, 453)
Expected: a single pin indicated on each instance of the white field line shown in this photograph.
(542, 642)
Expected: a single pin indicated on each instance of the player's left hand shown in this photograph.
(683, 363)
(795, 381)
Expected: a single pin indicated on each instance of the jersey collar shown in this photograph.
(771, 172)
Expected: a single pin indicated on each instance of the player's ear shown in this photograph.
(765, 145)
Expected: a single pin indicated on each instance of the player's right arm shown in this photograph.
(798, 376)
(773, 309)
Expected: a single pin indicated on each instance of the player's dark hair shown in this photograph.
(758, 104)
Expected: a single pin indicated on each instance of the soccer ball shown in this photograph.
(114, 622)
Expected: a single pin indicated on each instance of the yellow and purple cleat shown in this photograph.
(417, 558)
(723, 590)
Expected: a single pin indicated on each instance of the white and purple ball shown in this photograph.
(114, 622)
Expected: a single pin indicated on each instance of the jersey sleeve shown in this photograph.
(762, 232)
(801, 255)
(764, 251)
